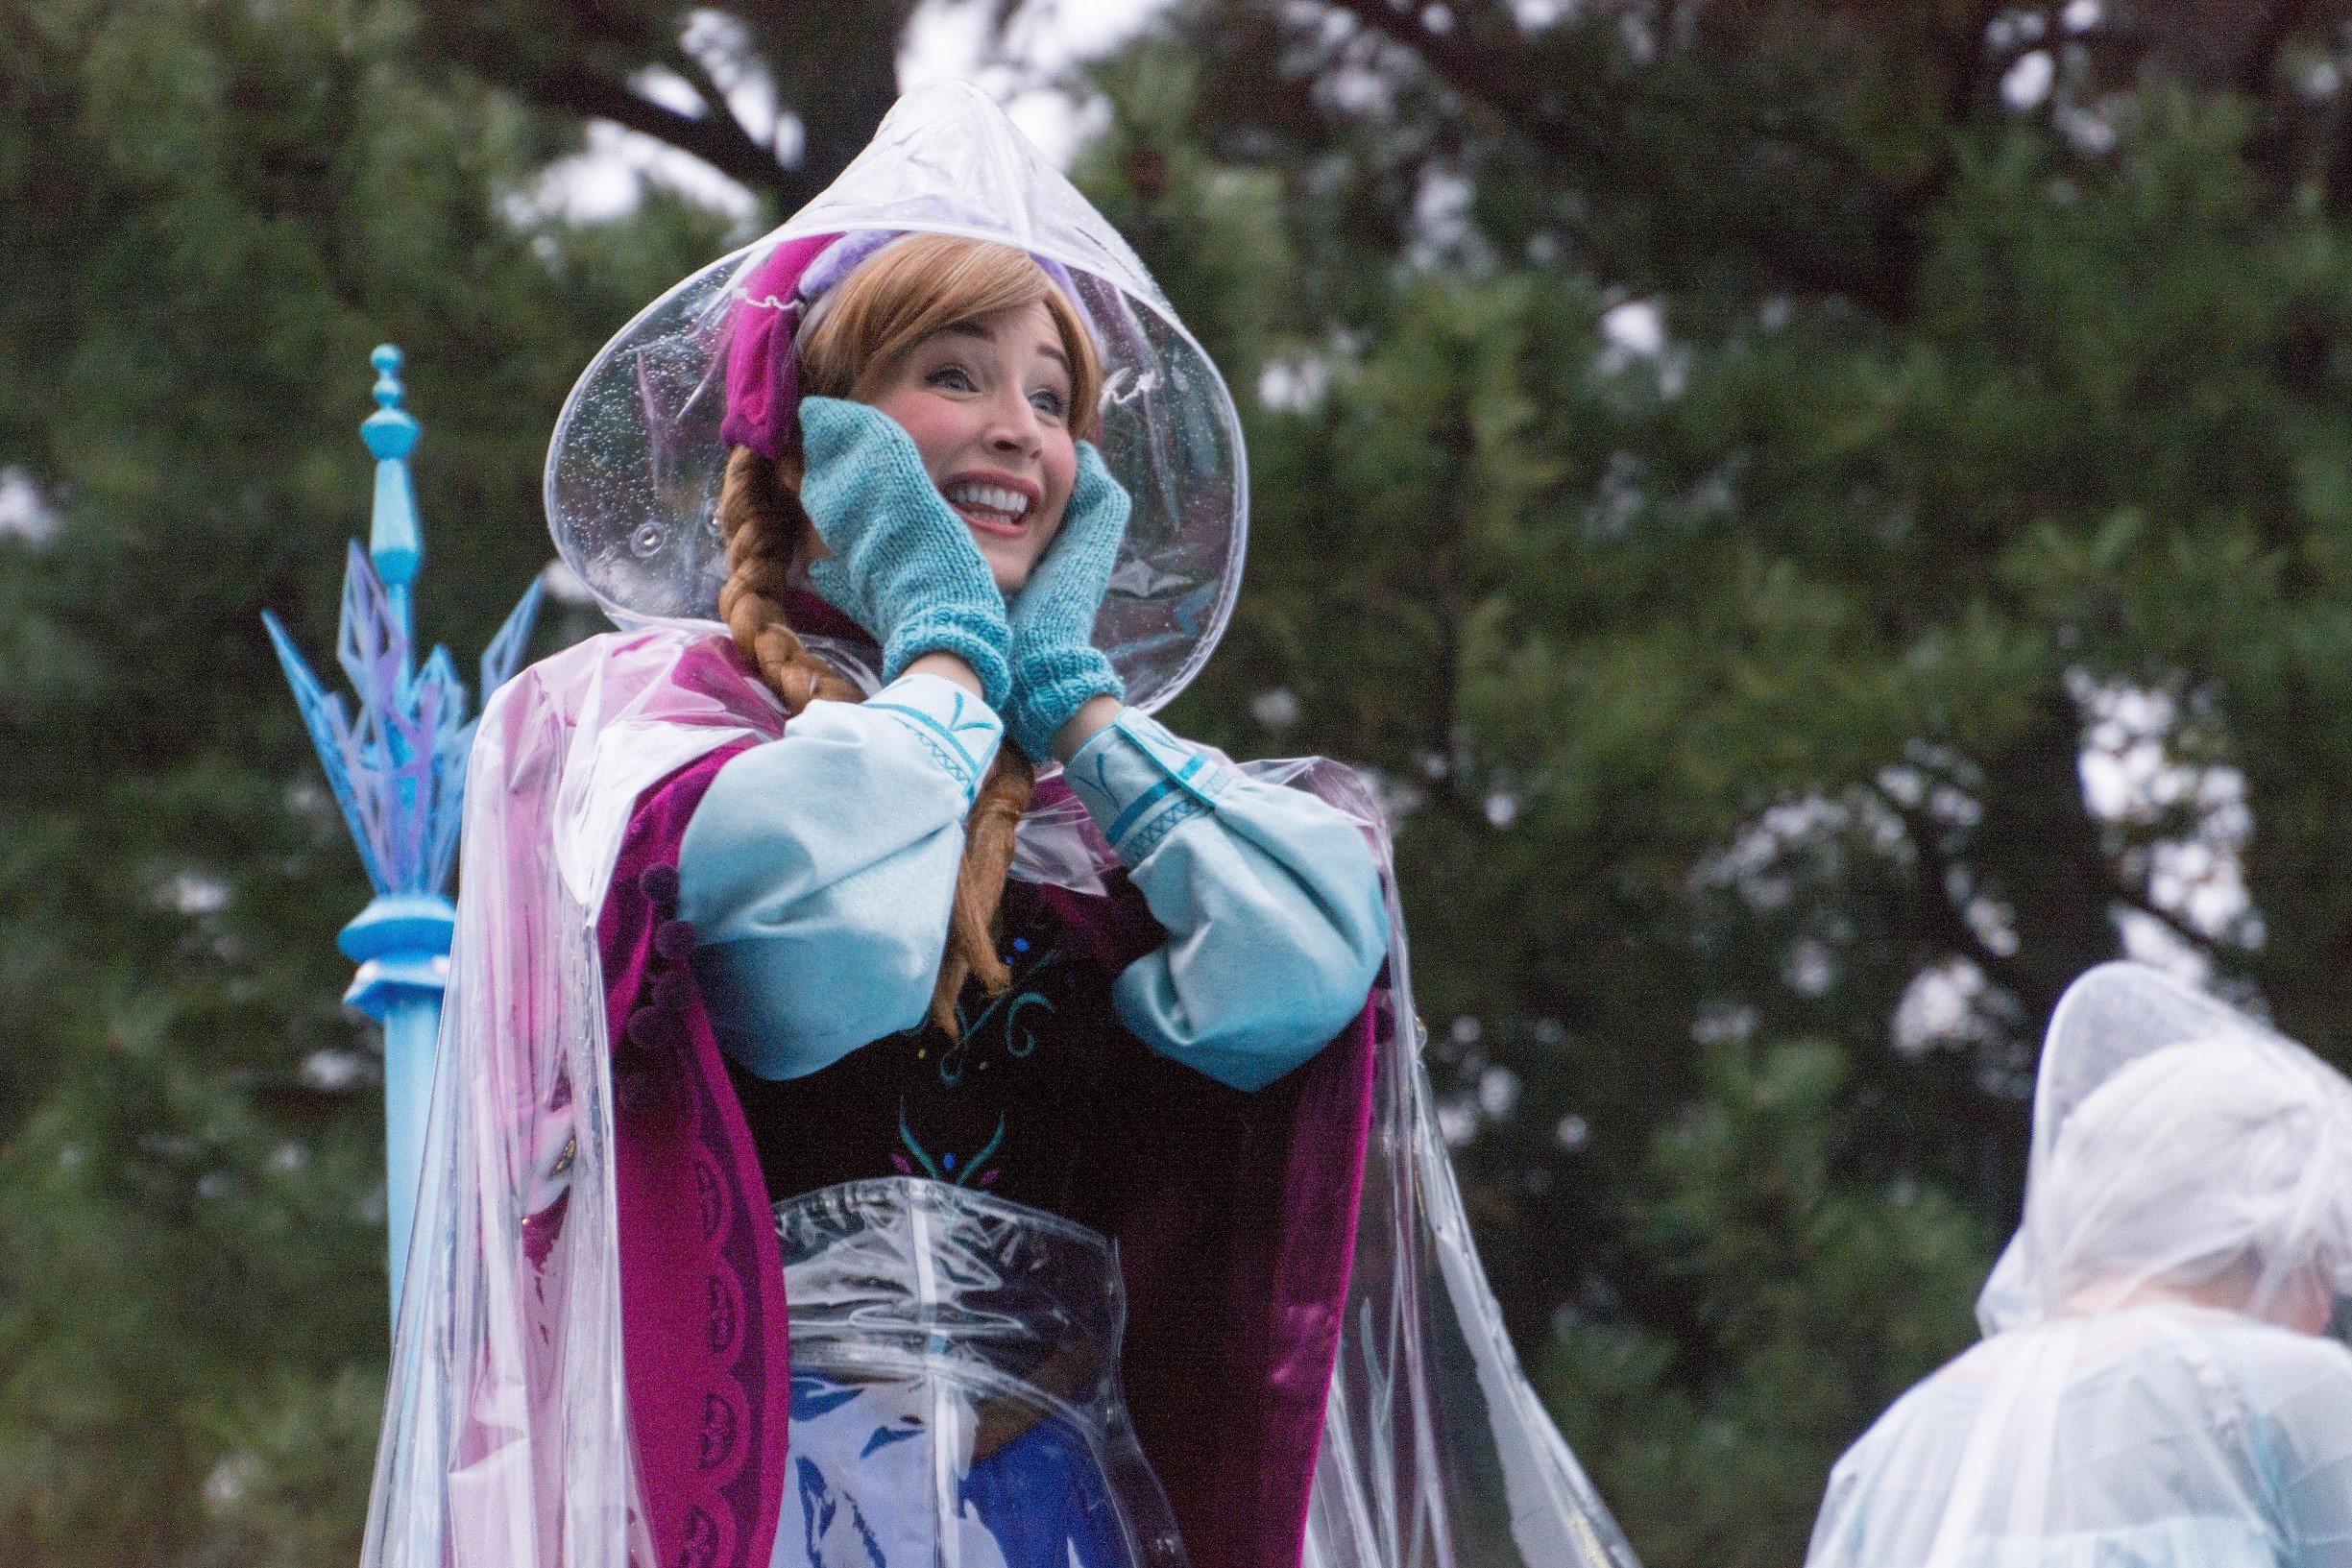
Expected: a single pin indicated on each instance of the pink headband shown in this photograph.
(762, 371)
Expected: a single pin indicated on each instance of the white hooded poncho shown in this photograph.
(2154, 1387)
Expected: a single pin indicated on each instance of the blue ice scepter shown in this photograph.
(399, 772)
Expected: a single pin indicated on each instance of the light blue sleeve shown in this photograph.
(2302, 1388)
(1272, 901)
(818, 871)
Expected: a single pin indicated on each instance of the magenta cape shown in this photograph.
(1236, 1258)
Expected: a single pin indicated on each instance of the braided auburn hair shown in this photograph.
(905, 293)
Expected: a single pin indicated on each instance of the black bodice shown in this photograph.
(1021, 1106)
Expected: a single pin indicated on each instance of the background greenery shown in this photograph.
(1826, 520)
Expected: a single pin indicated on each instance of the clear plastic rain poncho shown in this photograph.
(956, 1358)
(2156, 1386)
(516, 1430)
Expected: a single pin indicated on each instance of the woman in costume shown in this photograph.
(2156, 1386)
(850, 1145)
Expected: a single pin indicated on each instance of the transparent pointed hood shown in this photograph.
(2174, 1138)
(634, 469)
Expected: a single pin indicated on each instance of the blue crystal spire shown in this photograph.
(398, 769)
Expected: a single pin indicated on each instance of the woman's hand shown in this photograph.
(902, 563)
(1057, 668)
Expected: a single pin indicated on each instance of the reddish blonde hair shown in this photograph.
(921, 286)
(905, 293)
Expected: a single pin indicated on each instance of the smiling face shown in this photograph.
(988, 404)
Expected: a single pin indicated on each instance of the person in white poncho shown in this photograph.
(2157, 1384)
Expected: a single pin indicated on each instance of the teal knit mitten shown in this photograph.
(1056, 666)
(902, 564)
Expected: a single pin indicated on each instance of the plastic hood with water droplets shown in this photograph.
(633, 473)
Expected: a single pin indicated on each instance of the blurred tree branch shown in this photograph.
(831, 67)
(1942, 921)
(2279, 23)
(1483, 56)
(717, 137)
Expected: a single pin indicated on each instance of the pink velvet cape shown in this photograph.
(1236, 1254)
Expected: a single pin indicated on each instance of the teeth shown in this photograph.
(990, 498)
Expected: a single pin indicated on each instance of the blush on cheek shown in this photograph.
(1060, 467)
(937, 426)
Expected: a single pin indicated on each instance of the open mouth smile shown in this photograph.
(996, 509)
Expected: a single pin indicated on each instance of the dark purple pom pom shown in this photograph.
(638, 1090)
(674, 991)
(652, 1028)
(673, 939)
(659, 883)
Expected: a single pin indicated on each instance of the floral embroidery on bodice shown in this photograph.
(1011, 1107)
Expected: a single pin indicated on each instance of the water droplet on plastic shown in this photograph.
(647, 540)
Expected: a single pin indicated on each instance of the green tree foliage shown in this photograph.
(1732, 472)
(214, 213)
(776, 94)
(1826, 1297)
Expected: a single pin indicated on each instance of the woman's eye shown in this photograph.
(1047, 402)
(952, 378)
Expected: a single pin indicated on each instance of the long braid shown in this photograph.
(760, 519)
(980, 883)
(761, 523)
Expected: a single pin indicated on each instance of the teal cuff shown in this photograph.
(938, 629)
(948, 629)
(1140, 782)
(1051, 685)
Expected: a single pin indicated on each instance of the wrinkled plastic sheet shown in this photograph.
(956, 1387)
(2173, 1136)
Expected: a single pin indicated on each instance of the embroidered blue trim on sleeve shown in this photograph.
(959, 729)
(1140, 782)
(1188, 769)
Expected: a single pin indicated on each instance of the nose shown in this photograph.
(1015, 427)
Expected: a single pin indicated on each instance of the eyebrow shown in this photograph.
(968, 329)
